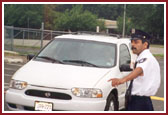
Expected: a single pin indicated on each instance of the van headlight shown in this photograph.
(16, 84)
(87, 92)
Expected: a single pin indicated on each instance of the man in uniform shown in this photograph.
(145, 78)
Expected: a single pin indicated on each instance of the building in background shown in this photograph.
(110, 25)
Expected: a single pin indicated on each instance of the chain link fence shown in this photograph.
(30, 41)
(8, 38)
(27, 40)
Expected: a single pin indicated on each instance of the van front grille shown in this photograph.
(48, 94)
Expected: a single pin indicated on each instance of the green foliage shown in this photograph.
(147, 17)
(105, 11)
(77, 19)
(140, 15)
(156, 21)
(128, 25)
(23, 15)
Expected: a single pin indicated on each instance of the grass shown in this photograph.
(26, 53)
(23, 50)
(32, 47)
(159, 55)
(19, 54)
(157, 46)
(26, 50)
(10, 54)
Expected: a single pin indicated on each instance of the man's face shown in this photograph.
(138, 46)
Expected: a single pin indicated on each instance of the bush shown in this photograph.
(77, 19)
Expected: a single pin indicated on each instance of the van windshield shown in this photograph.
(79, 52)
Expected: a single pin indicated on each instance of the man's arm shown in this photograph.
(135, 73)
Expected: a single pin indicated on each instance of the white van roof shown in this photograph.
(100, 38)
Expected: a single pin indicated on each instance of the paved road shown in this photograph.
(10, 69)
(157, 50)
(159, 105)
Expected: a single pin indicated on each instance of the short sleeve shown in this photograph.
(144, 63)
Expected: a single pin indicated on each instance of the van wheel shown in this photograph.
(112, 103)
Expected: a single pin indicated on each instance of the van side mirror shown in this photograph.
(125, 67)
(30, 56)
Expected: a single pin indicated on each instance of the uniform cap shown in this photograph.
(138, 34)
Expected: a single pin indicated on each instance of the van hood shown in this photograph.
(59, 75)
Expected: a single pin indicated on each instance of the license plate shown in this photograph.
(43, 106)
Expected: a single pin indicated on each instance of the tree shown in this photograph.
(128, 25)
(105, 11)
(156, 21)
(147, 17)
(48, 16)
(77, 19)
(140, 14)
(23, 15)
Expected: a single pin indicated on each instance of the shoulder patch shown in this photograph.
(142, 60)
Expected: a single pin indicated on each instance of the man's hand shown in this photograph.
(116, 81)
(137, 72)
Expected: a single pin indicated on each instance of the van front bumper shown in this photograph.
(17, 100)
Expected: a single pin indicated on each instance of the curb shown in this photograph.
(10, 60)
(11, 52)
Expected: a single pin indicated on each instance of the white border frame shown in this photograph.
(164, 3)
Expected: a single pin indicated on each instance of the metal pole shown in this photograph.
(23, 36)
(28, 27)
(97, 29)
(51, 34)
(42, 32)
(12, 38)
(123, 33)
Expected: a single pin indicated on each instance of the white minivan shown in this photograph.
(71, 73)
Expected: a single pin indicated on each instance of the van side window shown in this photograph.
(125, 57)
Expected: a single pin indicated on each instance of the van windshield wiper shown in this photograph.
(51, 59)
(81, 62)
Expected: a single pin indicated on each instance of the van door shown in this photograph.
(124, 58)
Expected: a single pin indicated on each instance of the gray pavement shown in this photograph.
(157, 50)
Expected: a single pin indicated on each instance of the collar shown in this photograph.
(144, 52)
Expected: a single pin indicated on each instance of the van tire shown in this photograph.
(112, 103)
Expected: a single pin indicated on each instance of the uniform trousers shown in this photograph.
(140, 103)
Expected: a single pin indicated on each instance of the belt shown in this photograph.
(137, 96)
